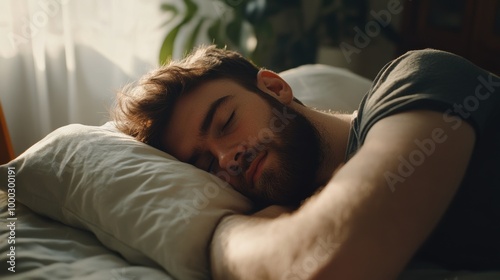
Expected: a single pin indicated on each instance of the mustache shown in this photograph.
(240, 166)
(248, 157)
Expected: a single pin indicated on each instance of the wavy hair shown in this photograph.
(143, 109)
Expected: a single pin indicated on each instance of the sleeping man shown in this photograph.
(413, 174)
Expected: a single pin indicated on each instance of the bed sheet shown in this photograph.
(46, 249)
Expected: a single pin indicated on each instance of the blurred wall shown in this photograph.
(373, 50)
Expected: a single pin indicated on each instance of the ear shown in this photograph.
(271, 83)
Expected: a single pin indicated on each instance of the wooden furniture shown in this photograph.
(6, 150)
(470, 28)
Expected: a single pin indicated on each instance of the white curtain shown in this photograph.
(61, 61)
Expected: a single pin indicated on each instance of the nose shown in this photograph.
(229, 158)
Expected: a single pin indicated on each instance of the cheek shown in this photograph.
(247, 133)
(257, 125)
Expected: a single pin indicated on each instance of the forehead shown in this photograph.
(181, 133)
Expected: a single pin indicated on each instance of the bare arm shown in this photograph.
(373, 214)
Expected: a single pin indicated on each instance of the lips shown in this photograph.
(255, 169)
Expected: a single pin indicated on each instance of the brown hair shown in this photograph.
(143, 109)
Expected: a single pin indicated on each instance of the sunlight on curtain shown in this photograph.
(61, 61)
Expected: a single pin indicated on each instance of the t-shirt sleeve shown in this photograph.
(432, 80)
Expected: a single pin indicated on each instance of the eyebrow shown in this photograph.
(207, 123)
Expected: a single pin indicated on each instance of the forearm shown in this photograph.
(274, 246)
(224, 252)
(253, 247)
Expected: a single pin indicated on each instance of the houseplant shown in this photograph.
(278, 34)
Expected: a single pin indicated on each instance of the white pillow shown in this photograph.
(326, 87)
(136, 199)
(141, 202)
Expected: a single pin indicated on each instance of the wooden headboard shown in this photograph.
(6, 150)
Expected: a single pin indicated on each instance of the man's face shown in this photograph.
(263, 148)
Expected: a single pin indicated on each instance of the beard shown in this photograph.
(291, 178)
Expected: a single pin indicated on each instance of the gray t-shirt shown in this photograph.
(468, 235)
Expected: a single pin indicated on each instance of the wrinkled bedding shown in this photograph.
(46, 249)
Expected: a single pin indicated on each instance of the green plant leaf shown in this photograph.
(169, 8)
(192, 8)
(167, 48)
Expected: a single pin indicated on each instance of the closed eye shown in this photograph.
(228, 122)
(226, 125)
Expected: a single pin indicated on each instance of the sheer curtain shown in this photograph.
(61, 61)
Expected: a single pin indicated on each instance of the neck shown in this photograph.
(333, 130)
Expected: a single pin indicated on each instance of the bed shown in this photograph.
(88, 202)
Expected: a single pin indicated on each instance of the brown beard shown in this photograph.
(292, 180)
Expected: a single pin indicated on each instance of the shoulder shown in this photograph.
(426, 79)
(428, 64)
(431, 57)
(430, 79)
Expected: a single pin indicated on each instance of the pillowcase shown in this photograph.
(326, 87)
(137, 200)
(141, 202)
